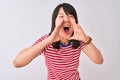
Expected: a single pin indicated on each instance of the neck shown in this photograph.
(64, 41)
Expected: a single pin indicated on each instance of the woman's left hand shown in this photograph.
(79, 34)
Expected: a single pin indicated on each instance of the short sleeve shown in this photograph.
(39, 40)
(82, 45)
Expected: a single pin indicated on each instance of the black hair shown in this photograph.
(69, 9)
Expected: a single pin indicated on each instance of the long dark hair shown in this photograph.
(69, 9)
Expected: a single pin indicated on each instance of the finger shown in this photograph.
(73, 22)
(80, 28)
(59, 23)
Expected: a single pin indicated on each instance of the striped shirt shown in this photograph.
(62, 64)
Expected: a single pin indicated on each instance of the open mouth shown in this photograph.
(66, 29)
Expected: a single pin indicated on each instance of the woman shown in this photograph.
(62, 46)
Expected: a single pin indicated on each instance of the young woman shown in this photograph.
(62, 46)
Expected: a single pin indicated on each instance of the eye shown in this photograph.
(60, 16)
(71, 16)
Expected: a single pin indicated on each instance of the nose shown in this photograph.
(66, 19)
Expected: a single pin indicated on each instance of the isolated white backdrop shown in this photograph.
(23, 21)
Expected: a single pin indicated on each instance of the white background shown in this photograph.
(22, 22)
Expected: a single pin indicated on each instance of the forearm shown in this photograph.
(28, 54)
(93, 53)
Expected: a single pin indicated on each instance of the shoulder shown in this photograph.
(44, 37)
(41, 39)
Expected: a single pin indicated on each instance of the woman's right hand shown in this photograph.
(55, 34)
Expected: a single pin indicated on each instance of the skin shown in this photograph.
(25, 56)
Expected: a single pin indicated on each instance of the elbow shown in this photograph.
(100, 61)
(17, 64)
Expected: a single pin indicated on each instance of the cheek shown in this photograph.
(58, 21)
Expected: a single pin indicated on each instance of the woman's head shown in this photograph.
(69, 11)
(66, 12)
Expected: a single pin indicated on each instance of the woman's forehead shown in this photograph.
(61, 11)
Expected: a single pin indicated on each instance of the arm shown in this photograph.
(93, 53)
(90, 50)
(28, 54)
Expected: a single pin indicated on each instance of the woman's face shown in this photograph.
(66, 29)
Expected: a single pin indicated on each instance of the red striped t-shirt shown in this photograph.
(62, 64)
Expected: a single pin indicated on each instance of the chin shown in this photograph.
(66, 37)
